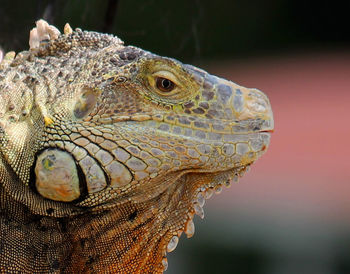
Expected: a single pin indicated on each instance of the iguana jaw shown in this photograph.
(186, 197)
(185, 192)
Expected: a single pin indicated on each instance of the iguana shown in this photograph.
(107, 151)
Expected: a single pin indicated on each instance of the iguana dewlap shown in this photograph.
(107, 151)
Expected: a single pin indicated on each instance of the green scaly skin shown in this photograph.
(107, 152)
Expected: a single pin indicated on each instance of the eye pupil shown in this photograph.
(164, 84)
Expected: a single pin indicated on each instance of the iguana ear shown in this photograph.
(85, 102)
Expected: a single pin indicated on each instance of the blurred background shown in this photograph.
(290, 213)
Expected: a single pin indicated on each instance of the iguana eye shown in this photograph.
(167, 82)
(164, 84)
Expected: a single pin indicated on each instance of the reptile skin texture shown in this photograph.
(108, 151)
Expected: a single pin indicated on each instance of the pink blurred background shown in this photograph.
(289, 214)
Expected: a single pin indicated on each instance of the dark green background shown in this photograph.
(190, 30)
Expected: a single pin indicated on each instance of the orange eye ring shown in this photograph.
(164, 84)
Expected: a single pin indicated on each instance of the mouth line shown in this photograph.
(157, 122)
(160, 118)
(267, 131)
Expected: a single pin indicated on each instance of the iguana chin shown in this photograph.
(107, 151)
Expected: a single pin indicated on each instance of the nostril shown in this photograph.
(257, 94)
(257, 101)
(257, 105)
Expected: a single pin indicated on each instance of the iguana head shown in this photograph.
(133, 142)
